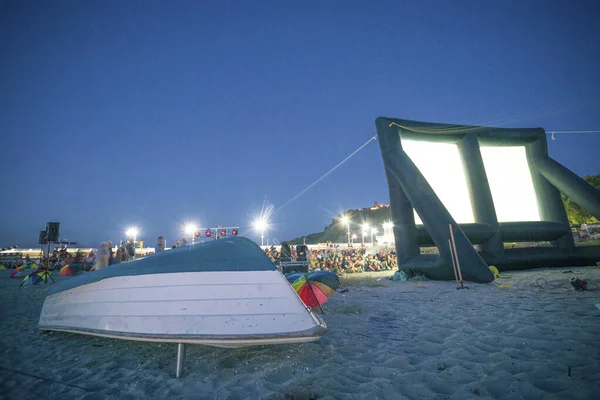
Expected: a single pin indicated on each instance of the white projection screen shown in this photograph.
(510, 181)
(507, 171)
(441, 166)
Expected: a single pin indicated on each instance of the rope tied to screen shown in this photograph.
(326, 174)
(466, 129)
(567, 132)
(457, 129)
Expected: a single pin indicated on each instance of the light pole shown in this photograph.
(365, 231)
(132, 232)
(346, 220)
(190, 229)
(373, 232)
(261, 225)
(387, 231)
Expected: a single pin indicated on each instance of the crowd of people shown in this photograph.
(108, 255)
(345, 261)
(332, 258)
(105, 255)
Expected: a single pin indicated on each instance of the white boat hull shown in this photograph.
(215, 308)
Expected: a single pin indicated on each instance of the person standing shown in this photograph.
(176, 245)
(183, 242)
(160, 246)
(130, 250)
(122, 254)
(91, 259)
(111, 253)
(103, 255)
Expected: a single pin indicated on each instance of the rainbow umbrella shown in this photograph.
(31, 279)
(18, 272)
(316, 288)
(67, 271)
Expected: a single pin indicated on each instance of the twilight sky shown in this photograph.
(152, 113)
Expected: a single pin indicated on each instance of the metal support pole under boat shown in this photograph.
(180, 360)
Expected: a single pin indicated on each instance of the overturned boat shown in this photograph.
(225, 293)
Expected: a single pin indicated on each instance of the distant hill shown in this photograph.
(336, 232)
(378, 214)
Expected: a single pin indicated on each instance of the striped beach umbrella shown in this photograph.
(316, 288)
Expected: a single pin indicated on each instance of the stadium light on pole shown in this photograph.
(365, 231)
(373, 232)
(261, 225)
(354, 237)
(190, 229)
(344, 219)
(388, 231)
(132, 233)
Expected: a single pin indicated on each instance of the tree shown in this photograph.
(575, 213)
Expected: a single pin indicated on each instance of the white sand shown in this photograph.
(386, 340)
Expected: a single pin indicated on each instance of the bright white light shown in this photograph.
(131, 232)
(354, 236)
(365, 229)
(190, 229)
(344, 219)
(388, 225)
(374, 231)
(511, 185)
(441, 166)
(260, 224)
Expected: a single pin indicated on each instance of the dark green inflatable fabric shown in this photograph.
(408, 189)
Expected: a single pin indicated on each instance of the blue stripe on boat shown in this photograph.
(230, 254)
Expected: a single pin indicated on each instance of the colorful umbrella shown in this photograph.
(18, 272)
(73, 269)
(67, 271)
(316, 288)
(31, 279)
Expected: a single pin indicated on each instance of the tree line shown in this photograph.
(576, 214)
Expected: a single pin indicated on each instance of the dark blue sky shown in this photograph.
(153, 113)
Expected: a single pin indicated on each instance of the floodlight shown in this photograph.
(132, 232)
(190, 229)
(260, 224)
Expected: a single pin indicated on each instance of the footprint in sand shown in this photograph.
(280, 375)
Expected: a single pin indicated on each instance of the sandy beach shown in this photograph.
(386, 340)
